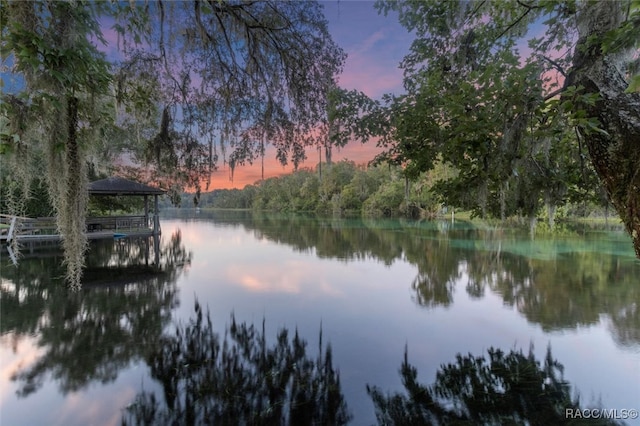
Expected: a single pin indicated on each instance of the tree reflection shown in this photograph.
(506, 388)
(91, 334)
(239, 379)
(558, 283)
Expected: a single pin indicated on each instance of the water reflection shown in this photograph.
(506, 388)
(559, 283)
(92, 334)
(239, 379)
(118, 319)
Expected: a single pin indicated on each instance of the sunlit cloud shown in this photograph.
(24, 353)
(267, 278)
(374, 45)
(372, 66)
(293, 277)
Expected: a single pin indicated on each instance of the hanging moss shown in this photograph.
(55, 115)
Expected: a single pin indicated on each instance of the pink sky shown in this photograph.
(375, 45)
(250, 174)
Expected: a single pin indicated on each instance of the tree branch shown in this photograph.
(528, 6)
(514, 23)
(555, 64)
(554, 94)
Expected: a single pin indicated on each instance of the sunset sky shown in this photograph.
(375, 45)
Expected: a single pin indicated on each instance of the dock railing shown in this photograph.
(116, 223)
(45, 227)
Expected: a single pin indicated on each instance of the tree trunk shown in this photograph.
(551, 213)
(71, 210)
(615, 153)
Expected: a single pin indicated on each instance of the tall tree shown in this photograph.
(231, 74)
(205, 74)
(606, 31)
(503, 388)
(58, 109)
(493, 110)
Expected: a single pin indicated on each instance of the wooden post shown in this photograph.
(156, 250)
(156, 219)
(146, 211)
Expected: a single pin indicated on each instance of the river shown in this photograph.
(369, 290)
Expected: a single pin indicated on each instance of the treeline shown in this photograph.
(339, 188)
(345, 188)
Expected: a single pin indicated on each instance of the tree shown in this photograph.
(239, 379)
(80, 325)
(194, 78)
(605, 30)
(59, 110)
(506, 388)
(490, 110)
(226, 75)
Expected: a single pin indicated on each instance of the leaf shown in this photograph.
(634, 86)
(58, 76)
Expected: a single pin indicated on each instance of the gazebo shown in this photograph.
(114, 186)
(44, 229)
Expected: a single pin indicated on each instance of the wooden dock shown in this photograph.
(24, 229)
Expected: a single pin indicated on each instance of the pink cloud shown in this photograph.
(371, 41)
(372, 66)
(368, 76)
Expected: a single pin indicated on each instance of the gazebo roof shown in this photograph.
(121, 186)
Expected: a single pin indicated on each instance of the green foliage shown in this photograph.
(89, 321)
(506, 388)
(343, 189)
(264, 73)
(55, 116)
(335, 178)
(240, 377)
(627, 35)
(517, 125)
(354, 116)
(115, 204)
(475, 105)
(44, 53)
(36, 202)
(386, 200)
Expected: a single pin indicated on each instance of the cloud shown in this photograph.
(292, 277)
(24, 353)
(371, 41)
(268, 278)
(375, 45)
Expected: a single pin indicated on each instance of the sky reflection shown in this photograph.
(357, 283)
(366, 311)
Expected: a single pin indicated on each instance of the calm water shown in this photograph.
(371, 288)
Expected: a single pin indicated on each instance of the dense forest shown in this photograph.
(345, 188)
(510, 108)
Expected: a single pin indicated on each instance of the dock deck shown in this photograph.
(24, 229)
